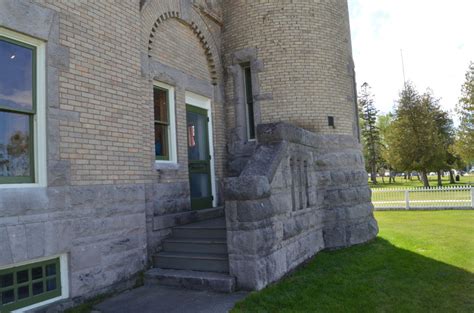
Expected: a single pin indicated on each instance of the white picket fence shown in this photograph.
(423, 198)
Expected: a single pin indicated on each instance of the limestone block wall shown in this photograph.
(300, 193)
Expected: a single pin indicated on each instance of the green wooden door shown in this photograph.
(199, 159)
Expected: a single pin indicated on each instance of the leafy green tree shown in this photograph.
(465, 135)
(370, 131)
(416, 141)
(384, 123)
(445, 130)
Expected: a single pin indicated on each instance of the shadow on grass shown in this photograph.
(375, 277)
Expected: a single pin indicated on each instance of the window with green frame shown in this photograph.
(25, 285)
(162, 123)
(17, 111)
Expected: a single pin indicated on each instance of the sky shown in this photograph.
(436, 37)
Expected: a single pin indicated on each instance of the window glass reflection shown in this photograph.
(16, 78)
(14, 145)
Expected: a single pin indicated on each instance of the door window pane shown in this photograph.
(16, 76)
(14, 145)
(197, 137)
(200, 187)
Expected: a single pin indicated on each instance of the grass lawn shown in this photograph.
(422, 261)
(405, 183)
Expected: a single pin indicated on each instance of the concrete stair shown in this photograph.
(195, 257)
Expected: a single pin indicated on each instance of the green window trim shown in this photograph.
(31, 114)
(166, 126)
(40, 277)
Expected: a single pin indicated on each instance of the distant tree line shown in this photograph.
(418, 136)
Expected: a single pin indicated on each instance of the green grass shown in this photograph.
(405, 183)
(420, 262)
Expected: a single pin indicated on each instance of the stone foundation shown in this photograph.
(299, 193)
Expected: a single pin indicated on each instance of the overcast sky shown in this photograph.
(437, 39)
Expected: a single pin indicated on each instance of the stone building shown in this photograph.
(210, 143)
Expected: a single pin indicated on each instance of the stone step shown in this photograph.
(213, 228)
(191, 279)
(206, 262)
(170, 220)
(196, 245)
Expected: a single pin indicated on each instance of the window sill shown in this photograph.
(166, 165)
(18, 186)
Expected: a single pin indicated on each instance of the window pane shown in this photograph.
(37, 272)
(16, 78)
(51, 270)
(51, 284)
(38, 288)
(22, 276)
(23, 292)
(7, 297)
(14, 145)
(249, 101)
(248, 85)
(160, 97)
(161, 142)
(6, 280)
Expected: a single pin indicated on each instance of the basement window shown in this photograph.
(29, 284)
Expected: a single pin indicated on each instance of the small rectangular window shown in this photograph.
(331, 122)
(249, 108)
(29, 284)
(17, 111)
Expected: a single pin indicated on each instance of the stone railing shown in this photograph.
(299, 193)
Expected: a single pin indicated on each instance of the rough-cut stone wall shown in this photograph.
(299, 193)
(100, 228)
(304, 61)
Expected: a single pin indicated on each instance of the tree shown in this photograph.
(384, 123)
(465, 108)
(370, 131)
(445, 130)
(415, 139)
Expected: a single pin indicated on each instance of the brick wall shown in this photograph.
(306, 53)
(104, 86)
